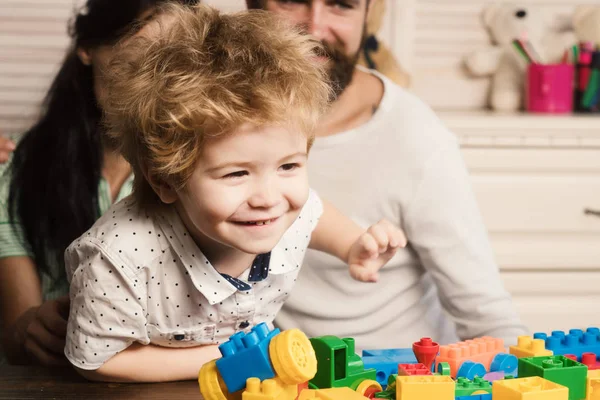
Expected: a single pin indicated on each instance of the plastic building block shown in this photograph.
(385, 362)
(467, 387)
(471, 370)
(426, 351)
(532, 388)
(590, 360)
(212, 386)
(390, 392)
(557, 369)
(494, 376)
(413, 369)
(246, 355)
(593, 385)
(339, 365)
(443, 368)
(487, 396)
(402, 356)
(480, 350)
(293, 357)
(425, 387)
(529, 347)
(575, 342)
(269, 389)
(507, 363)
(342, 393)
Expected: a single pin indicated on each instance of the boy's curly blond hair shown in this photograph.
(204, 74)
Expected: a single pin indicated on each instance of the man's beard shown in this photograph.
(341, 65)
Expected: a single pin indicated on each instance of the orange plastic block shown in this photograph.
(529, 347)
(417, 387)
(593, 385)
(269, 389)
(413, 369)
(342, 393)
(533, 388)
(481, 350)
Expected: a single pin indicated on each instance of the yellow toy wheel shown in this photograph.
(293, 357)
(368, 388)
(211, 384)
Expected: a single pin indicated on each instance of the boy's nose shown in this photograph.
(264, 196)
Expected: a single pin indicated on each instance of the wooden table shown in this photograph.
(19, 383)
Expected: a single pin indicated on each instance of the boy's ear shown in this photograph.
(163, 190)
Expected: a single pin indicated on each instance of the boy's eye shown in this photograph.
(289, 167)
(236, 174)
(342, 4)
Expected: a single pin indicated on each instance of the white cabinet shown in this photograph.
(537, 181)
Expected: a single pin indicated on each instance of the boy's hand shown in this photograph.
(373, 249)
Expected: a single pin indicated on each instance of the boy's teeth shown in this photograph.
(260, 222)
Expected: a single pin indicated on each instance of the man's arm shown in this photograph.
(446, 230)
(149, 363)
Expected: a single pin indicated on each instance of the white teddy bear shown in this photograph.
(501, 61)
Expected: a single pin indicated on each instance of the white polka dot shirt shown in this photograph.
(137, 277)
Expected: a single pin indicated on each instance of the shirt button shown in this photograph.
(179, 337)
(244, 325)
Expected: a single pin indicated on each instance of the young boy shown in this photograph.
(215, 113)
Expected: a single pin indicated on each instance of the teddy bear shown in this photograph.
(586, 22)
(500, 61)
(375, 54)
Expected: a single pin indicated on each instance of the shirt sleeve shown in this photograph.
(445, 228)
(108, 305)
(12, 240)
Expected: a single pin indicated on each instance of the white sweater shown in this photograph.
(403, 165)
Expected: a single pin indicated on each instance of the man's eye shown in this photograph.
(236, 174)
(289, 167)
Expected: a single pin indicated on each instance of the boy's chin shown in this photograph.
(257, 248)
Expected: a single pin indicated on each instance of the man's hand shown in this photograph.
(7, 146)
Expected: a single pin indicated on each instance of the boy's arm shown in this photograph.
(365, 251)
(335, 233)
(149, 363)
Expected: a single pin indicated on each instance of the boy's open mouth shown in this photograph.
(259, 222)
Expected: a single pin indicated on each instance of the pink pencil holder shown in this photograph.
(549, 88)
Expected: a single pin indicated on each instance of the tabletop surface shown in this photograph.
(19, 383)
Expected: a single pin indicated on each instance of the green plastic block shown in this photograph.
(337, 364)
(466, 387)
(557, 369)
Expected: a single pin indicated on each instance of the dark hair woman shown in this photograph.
(63, 175)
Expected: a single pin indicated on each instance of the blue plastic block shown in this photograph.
(506, 363)
(246, 355)
(402, 356)
(575, 342)
(470, 370)
(487, 396)
(385, 362)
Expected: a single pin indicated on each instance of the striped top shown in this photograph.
(13, 243)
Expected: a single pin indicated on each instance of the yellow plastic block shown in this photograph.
(529, 347)
(269, 389)
(593, 385)
(419, 387)
(342, 393)
(533, 388)
(481, 350)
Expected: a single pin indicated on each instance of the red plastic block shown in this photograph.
(426, 351)
(413, 369)
(590, 360)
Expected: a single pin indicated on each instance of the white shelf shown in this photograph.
(490, 129)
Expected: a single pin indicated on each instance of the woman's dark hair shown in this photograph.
(56, 167)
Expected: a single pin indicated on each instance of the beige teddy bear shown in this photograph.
(586, 22)
(375, 54)
(501, 62)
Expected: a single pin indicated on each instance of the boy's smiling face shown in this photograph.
(247, 189)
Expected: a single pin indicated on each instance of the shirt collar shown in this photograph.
(214, 286)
